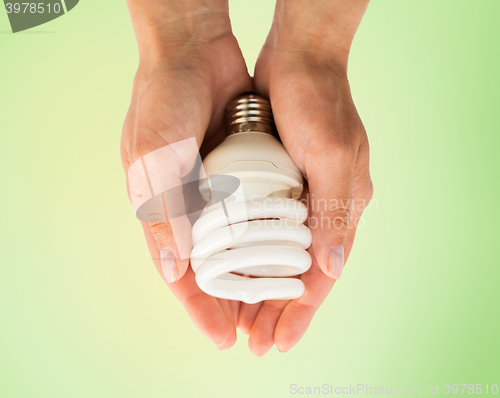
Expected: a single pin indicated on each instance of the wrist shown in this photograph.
(167, 30)
(321, 31)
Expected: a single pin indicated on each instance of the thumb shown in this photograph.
(173, 265)
(330, 191)
(157, 194)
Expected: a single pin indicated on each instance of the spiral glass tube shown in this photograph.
(252, 245)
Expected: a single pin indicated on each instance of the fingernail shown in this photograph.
(168, 265)
(219, 346)
(336, 261)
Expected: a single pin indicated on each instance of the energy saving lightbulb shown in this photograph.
(250, 245)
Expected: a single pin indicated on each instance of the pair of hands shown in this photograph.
(181, 90)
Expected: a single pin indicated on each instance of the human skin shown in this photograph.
(190, 68)
(302, 68)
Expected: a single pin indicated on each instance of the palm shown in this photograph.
(171, 103)
(296, 108)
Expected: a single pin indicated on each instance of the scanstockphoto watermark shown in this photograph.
(170, 185)
(353, 389)
(367, 389)
(25, 15)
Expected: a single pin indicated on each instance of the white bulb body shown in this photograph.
(248, 246)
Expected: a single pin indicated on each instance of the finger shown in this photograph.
(204, 310)
(229, 307)
(362, 194)
(298, 314)
(235, 307)
(248, 313)
(262, 333)
(173, 266)
(156, 192)
(356, 218)
(330, 178)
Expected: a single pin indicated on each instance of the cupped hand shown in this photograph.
(321, 130)
(190, 68)
(176, 97)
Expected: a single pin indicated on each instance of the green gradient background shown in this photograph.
(83, 312)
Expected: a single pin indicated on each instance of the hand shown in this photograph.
(305, 79)
(190, 68)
